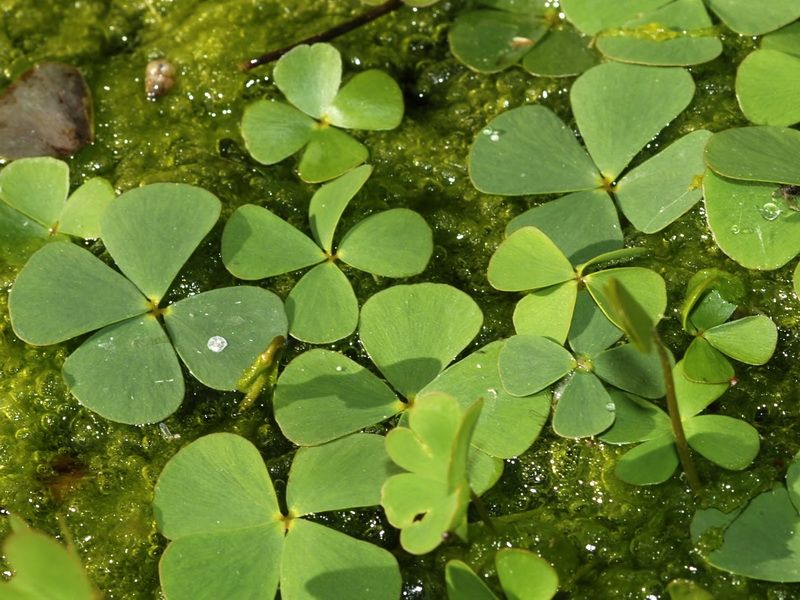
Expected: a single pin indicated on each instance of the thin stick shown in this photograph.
(328, 35)
(675, 419)
(484, 514)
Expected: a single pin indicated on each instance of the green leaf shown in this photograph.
(81, 214)
(730, 443)
(584, 407)
(591, 331)
(89, 295)
(330, 200)
(750, 224)
(649, 463)
(529, 150)
(322, 395)
(547, 312)
(147, 232)
(755, 17)
(563, 52)
(127, 372)
(528, 260)
(633, 319)
(36, 187)
(694, 396)
(215, 496)
(43, 569)
(371, 100)
(219, 333)
(762, 541)
(750, 340)
(483, 470)
(507, 425)
(273, 130)
(464, 584)
(21, 236)
(525, 575)
(785, 40)
(755, 154)
(330, 153)
(309, 77)
(582, 225)
(322, 306)
(258, 244)
(591, 18)
(678, 33)
(683, 589)
(636, 420)
(393, 243)
(345, 473)
(492, 40)
(527, 364)
(767, 88)
(619, 108)
(412, 332)
(660, 190)
(645, 286)
(342, 567)
(704, 363)
(629, 369)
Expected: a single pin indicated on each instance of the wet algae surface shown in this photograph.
(73, 474)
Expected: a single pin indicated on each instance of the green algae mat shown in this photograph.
(414, 299)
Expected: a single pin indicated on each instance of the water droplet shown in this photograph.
(492, 393)
(494, 134)
(735, 230)
(217, 343)
(611, 407)
(770, 211)
(339, 369)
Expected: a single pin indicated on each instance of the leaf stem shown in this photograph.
(326, 36)
(484, 514)
(675, 418)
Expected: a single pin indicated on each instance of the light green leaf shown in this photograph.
(507, 425)
(633, 319)
(344, 473)
(330, 153)
(527, 364)
(750, 224)
(342, 567)
(148, 233)
(582, 225)
(547, 312)
(323, 395)
(704, 363)
(755, 17)
(751, 340)
(591, 331)
(785, 40)
(309, 77)
(412, 332)
(649, 463)
(483, 470)
(629, 369)
(371, 100)
(127, 372)
(661, 189)
(258, 244)
(636, 420)
(694, 396)
(584, 407)
(619, 108)
(36, 187)
(756, 154)
(525, 575)
(219, 333)
(647, 288)
(730, 443)
(273, 130)
(330, 200)
(322, 306)
(767, 88)
(563, 52)
(89, 295)
(81, 214)
(529, 150)
(21, 236)
(393, 243)
(591, 18)
(464, 584)
(528, 260)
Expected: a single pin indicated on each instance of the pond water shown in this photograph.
(72, 473)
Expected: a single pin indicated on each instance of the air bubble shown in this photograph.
(611, 407)
(494, 134)
(735, 230)
(217, 343)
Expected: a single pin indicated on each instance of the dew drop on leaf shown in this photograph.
(770, 211)
(217, 343)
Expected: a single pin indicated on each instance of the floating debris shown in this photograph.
(159, 78)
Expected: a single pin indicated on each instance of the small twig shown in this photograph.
(675, 418)
(328, 35)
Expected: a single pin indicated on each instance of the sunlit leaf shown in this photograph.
(755, 17)
(584, 407)
(309, 77)
(330, 200)
(767, 88)
(528, 260)
(371, 100)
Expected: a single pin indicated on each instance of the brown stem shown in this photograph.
(485, 517)
(328, 35)
(675, 418)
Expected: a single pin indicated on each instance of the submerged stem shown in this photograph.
(485, 517)
(326, 36)
(675, 418)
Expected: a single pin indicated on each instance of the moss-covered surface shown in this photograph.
(61, 463)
